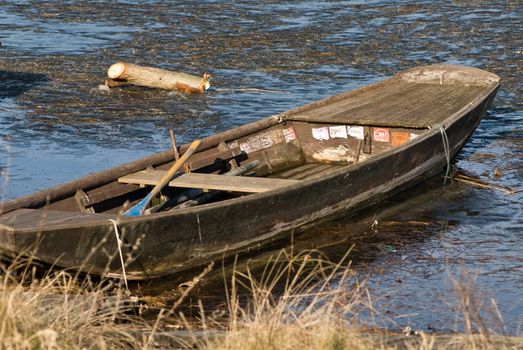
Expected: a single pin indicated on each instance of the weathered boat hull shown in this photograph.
(169, 242)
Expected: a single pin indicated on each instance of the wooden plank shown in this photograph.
(386, 94)
(348, 97)
(108, 192)
(406, 98)
(237, 184)
(307, 171)
(402, 104)
(447, 105)
(30, 219)
(289, 173)
(314, 172)
(393, 112)
(209, 181)
(143, 178)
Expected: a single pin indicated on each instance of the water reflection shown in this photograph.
(16, 83)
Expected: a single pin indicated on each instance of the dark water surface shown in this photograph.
(57, 124)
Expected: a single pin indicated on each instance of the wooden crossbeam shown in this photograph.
(209, 181)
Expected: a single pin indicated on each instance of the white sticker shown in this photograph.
(256, 142)
(356, 131)
(266, 140)
(339, 131)
(320, 133)
(413, 136)
(245, 147)
(289, 134)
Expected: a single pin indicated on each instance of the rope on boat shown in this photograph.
(119, 242)
(446, 149)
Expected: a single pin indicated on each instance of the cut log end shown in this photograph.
(116, 70)
(206, 82)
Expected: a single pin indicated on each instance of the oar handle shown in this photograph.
(169, 175)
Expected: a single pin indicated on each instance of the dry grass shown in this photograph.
(295, 302)
(299, 302)
(58, 311)
(319, 307)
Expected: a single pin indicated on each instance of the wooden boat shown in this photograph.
(324, 159)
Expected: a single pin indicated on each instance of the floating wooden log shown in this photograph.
(122, 73)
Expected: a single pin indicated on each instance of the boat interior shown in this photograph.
(272, 158)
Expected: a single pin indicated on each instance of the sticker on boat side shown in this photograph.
(253, 144)
(356, 131)
(381, 135)
(289, 134)
(245, 147)
(320, 133)
(338, 131)
(262, 141)
(399, 138)
(277, 136)
(266, 140)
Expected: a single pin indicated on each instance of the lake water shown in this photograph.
(57, 124)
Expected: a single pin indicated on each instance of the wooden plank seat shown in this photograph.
(209, 181)
(27, 219)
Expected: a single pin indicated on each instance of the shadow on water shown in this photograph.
(405, 248)
(17, 83)
(386, 231)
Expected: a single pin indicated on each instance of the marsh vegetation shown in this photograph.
(300, 301)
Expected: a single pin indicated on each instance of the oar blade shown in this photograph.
(139, 208)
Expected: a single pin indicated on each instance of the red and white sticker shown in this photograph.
(381, 135)
(289, 134)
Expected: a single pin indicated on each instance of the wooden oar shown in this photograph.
(139, 208)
